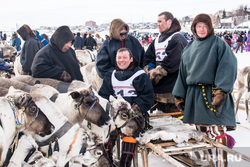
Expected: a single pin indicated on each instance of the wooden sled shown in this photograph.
(179, 156)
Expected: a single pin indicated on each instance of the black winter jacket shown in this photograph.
(106, 56)
(50, 61)
(170, 63)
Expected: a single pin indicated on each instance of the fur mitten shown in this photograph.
(65, 77)
(180, 104)
(157, 74)
(135, 107)
(218, 97)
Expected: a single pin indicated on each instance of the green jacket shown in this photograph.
(210, 62)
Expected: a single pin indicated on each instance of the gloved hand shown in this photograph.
(146, 69)
(157, 74)
(180, 104)
(218, 97)
(65, 77)
(135, 107)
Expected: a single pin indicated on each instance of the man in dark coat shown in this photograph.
(30, 47)
(90, 42)
(58, 60)
(119, 38)
(162, 60)
(133, 84)
(78, 44)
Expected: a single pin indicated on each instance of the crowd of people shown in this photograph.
(191, 73)
(237, 40)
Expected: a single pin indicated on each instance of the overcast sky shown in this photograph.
(38, 13)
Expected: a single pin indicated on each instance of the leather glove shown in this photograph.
(157, 74)
(218, 97)
(180, 104)
(65, 77)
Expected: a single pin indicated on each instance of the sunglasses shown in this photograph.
(123, 33)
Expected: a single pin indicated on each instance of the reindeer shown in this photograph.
(20, 112)
(91, 77)
(9, 53)
(243, 89)
(85, 57)
(130, 122)
(87, 150)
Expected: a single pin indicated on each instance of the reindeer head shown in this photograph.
(130, 121)
(89, 108)
(33, 118)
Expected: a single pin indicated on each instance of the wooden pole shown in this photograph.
(161, 153)
(166, 114)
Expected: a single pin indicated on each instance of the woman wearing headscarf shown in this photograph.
(205, 82)
(58, 60)
(29, 49)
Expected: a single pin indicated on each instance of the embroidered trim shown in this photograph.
(210, 107)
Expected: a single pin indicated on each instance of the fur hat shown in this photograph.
(25, 32)
(115, 28)
(205, 18)
(61, 36)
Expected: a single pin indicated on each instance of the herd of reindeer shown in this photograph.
(69, 126)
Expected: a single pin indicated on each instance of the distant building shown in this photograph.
(90, 23)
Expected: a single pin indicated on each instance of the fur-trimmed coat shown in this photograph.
(171, 62)
(106, 55)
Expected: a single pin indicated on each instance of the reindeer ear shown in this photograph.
(111, 99)
(22, 99)
(90, 88)
(11, 90)
(75, 95)
(119, 97)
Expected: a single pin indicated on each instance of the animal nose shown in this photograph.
(49, 129)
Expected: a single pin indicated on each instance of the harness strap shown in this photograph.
(129, 139)
(73, 142)
(63, 87)
(221, 136)
(59, 133)
(54, 97)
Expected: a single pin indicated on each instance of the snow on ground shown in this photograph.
(241, 134)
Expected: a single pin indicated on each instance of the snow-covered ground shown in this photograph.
(241, 134)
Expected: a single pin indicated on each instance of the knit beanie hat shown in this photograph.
(205, 18)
